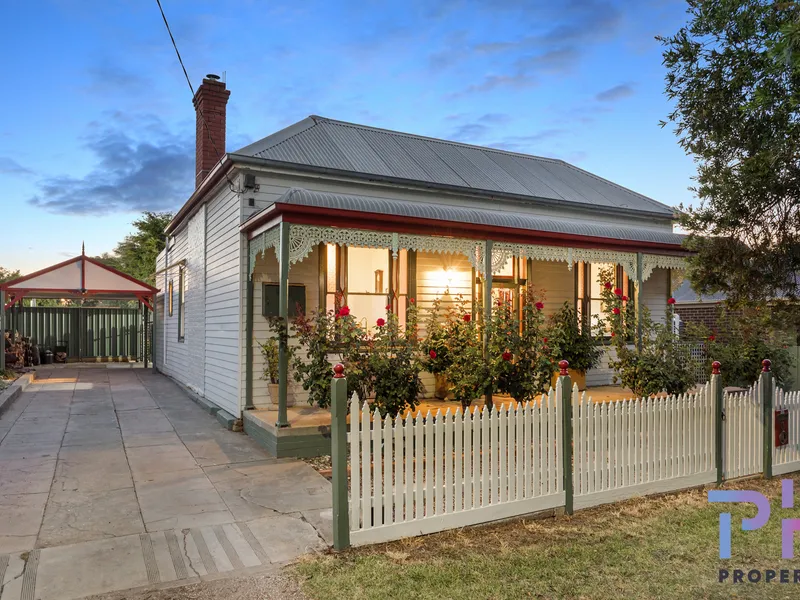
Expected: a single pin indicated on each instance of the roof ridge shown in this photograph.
(318, 118)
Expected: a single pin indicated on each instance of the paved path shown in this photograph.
(112, 479)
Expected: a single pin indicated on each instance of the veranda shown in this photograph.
(373, 262)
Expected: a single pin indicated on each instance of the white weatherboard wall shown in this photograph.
(194, 339)
(223, 302)
(305, 272)
(176, 354)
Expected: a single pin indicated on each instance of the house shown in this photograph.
(325, 207)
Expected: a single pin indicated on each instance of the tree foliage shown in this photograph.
(733, 72)
(136, 254)
(8, 275)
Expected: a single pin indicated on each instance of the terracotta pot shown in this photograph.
(440, 387)
(578, 377)
(273, 395)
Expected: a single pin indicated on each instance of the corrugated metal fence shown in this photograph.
(81, 332)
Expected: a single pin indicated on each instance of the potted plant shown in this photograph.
(435, 353)
(270, 353)
(568, 341)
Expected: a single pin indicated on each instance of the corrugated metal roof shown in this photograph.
(475, 216)
(328, 144)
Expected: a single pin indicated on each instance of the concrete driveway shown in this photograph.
(113, 479)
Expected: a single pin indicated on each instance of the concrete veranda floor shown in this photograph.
(113, 479)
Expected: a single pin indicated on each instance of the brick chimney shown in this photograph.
(210, 101)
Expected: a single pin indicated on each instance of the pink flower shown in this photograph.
(618, 291)
(506, 355)
(432, 353)
(624, 298)
(615, 310)
(380, 322)
(467, 318)
(539, 305)
(671, 301)
(607, 285)
(344, 311)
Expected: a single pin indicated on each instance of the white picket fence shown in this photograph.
(787, 458)
(742, 434)
(420, 475)
(643, 446)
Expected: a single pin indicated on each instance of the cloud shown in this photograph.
(618, 92)
(8, 166)
(495, 118)
(469, 132)
(524, 143)
(141, 166)
(492, 82)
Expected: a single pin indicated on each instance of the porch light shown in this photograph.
(443, 279)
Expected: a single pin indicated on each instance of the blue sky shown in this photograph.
(98, 123)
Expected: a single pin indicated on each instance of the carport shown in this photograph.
(78, 278)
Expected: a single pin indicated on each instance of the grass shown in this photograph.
(664, 547)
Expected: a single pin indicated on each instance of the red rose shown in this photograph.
(618, 291)
(711, 338)
(388, 307)
(624, 298)
(671, 301)
(344, 311)
(467, 318)
(615, 310)
(613, 334)
(380, 322)
(432, 353)
(411, 300)
(539, 305)
(544, 340)
(607, 285)
(506, 355)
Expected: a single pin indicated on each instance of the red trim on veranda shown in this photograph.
(312, 215)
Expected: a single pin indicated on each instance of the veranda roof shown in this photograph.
(77, 278)
(452, 215)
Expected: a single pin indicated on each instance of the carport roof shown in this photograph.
(78, 278)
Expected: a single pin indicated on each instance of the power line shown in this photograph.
(191, 88)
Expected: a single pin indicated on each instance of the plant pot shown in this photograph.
(578, 377)
(273, 395)
(441, 387)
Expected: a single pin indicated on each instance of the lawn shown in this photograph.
(665, 547)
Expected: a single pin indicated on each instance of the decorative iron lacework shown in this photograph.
(269, 239)
(303, 239)
(652, 261)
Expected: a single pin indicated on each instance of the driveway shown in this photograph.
(113, 479)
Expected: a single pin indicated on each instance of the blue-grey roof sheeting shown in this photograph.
(474, 216)
(324, 143)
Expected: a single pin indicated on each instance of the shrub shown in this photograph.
(519, 355)
(661, 364)
(435, 351)
(743, 339)
(269, 350)
(568, 341)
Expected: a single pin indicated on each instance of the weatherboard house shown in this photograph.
(325, 210)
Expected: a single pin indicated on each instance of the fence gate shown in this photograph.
(742, 433)
(81, 332)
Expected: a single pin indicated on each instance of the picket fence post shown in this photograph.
(717, 393)
(566, 433)
(341, 514)
(767, 400)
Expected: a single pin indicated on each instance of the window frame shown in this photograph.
(170, 291)
(583, 305)
(181, 304)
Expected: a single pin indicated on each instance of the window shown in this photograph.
(366, 279)
(169, 297)
(270, 294)
(181, 303)
(589, 304)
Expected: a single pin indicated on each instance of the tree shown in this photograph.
(734, 74)
(7, 275)
(136, 254)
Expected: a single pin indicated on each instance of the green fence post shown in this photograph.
(767, 400)
(341, 513)
(717, 394)
(566, 433)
